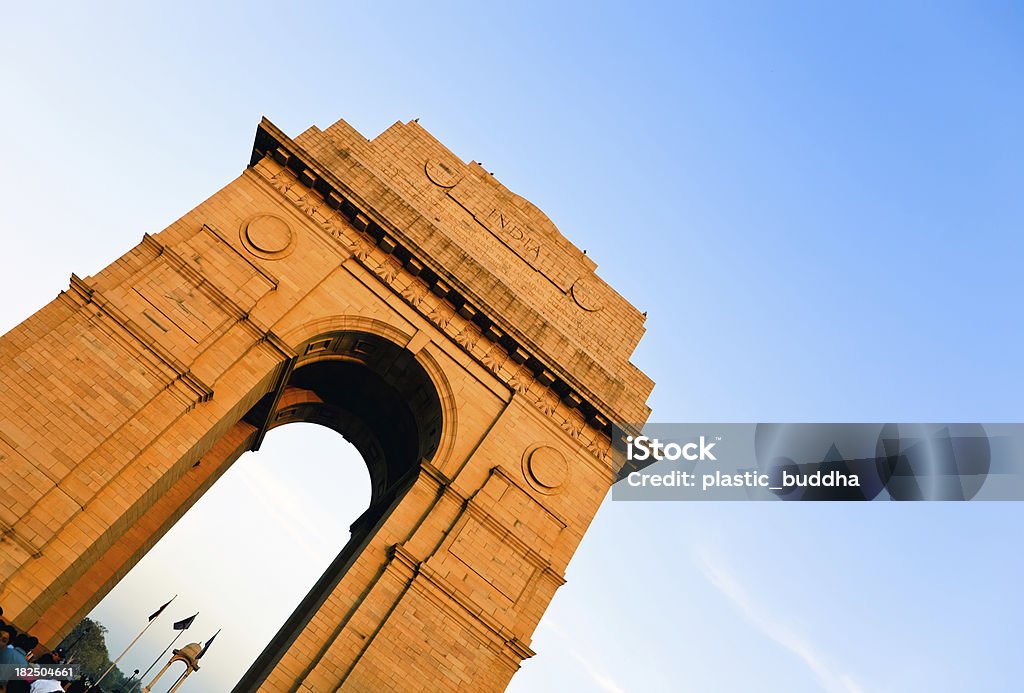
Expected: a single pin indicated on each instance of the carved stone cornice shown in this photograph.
(217, 296)
(445, 595)
(90, 295)
(478, 511)
(429, 295)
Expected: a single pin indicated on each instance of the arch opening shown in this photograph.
(385, 405)
(243, 556)
(371, 391)
(380, 398)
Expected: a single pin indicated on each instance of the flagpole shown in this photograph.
(186, 624)
(156, 661)
(151, 622)
(207, 645)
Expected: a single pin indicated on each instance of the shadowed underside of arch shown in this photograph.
(371, 391)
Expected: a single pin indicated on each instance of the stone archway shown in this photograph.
(381, 400)
(371, 391)
(385, 289)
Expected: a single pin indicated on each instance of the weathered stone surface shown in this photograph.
(383, 288)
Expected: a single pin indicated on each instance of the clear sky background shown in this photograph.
(820, 205)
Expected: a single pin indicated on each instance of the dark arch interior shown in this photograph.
(372, 392)
(376, 395)
(384, 426)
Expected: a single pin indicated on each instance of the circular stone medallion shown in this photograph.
(585, 296)
(442, 174)
(268, 236)
(546, 468)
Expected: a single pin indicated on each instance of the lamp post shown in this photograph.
(130, 683)
(72, 646)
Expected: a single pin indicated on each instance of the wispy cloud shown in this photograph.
(595, 672)
(718, 574)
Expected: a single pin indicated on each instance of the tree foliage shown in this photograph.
(86, 645)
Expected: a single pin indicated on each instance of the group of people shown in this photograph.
(19, 649)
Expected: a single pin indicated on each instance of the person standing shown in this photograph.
(18, 656)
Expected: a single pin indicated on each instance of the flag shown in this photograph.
(207, 646)
(185, 623)
(161, 609)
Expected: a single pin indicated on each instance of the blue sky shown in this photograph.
(818, 205)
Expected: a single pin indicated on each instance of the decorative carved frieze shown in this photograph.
(428, 295)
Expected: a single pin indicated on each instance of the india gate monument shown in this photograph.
(384, 289)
